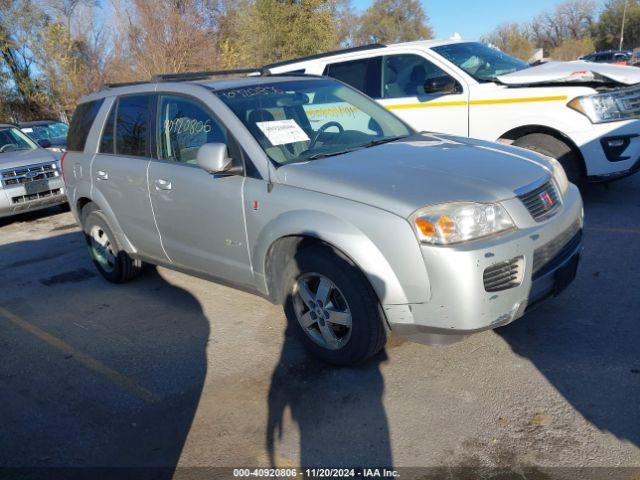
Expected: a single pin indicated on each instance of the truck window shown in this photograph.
(132, 125)
(405, 75)
(81, 123)
(363, 74)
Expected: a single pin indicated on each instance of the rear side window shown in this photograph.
(132, 125)
(81, 123)
(107, 142)
(364, 74)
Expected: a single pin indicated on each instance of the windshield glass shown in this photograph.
(299, 120)
(480, 61)
(51, 131)
(12, 140)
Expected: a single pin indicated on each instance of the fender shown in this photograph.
(402, 281)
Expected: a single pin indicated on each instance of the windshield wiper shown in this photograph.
(372, 143)
(380, 141)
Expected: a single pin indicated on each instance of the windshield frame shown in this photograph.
(438, 50)
(23, 136)
(372, 107)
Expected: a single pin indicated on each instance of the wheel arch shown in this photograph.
(519, 132)
(121, 238)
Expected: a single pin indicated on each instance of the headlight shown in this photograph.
(604, 107)
(559, 175)
(460, 222)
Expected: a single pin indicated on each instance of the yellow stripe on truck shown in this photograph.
(463, 103)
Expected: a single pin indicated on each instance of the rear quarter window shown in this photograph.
(81, 123)
(363, 74)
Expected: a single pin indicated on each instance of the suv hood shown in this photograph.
(25, 157)
(421, 170)
(578, 71)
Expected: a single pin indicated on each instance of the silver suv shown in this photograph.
(305, 191)
(29, 175)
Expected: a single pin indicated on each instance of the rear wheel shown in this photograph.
(332, 306)
(552, 147)
(113, 263)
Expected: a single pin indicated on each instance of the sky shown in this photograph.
(474, 18)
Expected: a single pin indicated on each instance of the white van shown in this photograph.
(584, 114)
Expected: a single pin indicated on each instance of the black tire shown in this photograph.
(368, 335)
(124, 267)
(552, 147)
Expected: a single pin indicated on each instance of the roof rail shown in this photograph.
(371, 46)
(123, 84)
(180, 77)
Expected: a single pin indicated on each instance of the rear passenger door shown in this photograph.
(412, 87)
(119, 171)
(200, 216)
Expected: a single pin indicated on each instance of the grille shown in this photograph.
(542, 202)
(28, 173)
(503, 275)
(35, 196)
(544, 254)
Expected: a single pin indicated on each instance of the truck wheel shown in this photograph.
(552, 147)
(332, 306)
(112, 262)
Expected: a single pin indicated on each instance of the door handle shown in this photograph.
(102, 175)
(162, 184)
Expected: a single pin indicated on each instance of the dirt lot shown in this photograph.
(171, 370)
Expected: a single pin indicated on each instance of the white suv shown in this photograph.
(583, 114)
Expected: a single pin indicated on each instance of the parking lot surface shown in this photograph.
(170, 370)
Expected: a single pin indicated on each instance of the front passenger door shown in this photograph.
(199, 215)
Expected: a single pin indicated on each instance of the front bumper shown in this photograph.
(16, 199)
(603, 165)
(459, 303)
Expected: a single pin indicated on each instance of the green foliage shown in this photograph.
(606, 32)
(390, 21)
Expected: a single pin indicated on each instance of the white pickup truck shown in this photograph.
(584, 114)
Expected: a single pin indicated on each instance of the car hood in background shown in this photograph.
(426, 169)
(25, 157)
(578, 71)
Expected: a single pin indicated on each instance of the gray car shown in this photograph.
(30, 177)
(307, 192)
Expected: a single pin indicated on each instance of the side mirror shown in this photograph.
(44, 143)
(213, 157)
(444, 85)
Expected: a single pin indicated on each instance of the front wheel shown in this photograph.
(554, 148)
(333, 307)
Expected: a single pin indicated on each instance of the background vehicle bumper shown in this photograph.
(604, 163)
(460, 305)
(14, 200)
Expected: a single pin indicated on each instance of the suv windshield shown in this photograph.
(50, 131)
(480, 61)
(299, 120)
(12, 140)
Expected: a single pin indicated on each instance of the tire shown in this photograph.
(113, 263)
(351, 295)
(552, 147)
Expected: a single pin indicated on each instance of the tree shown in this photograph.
(572, 49)
(389, 21)
(571, 19)
(512, 39)
(607, 31)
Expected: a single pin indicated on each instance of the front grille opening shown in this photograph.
(546, 253)
(504, 275)
(542, 202)
(36, 196)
